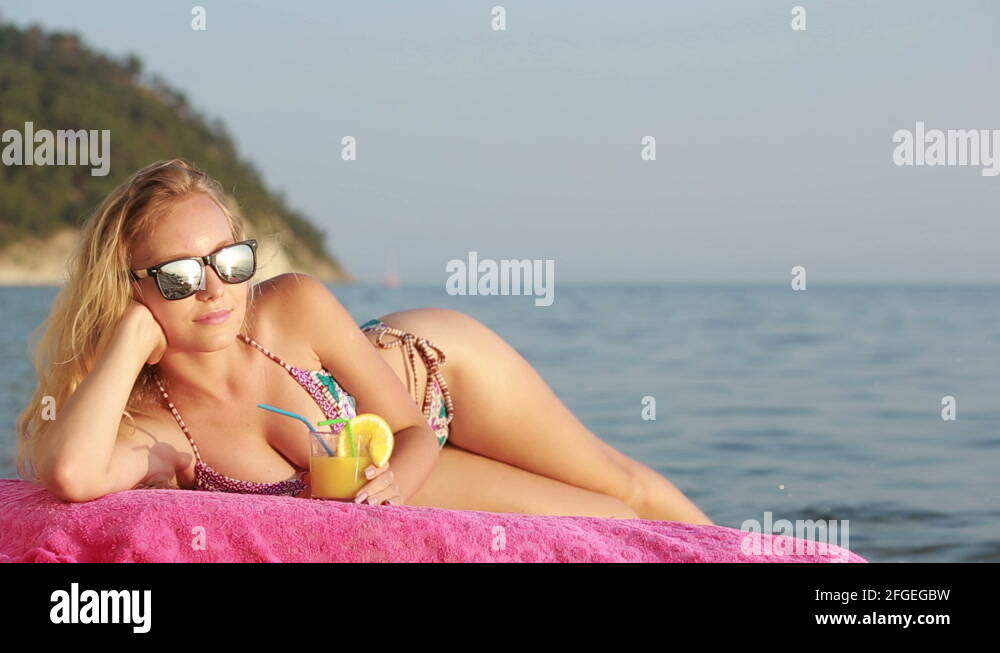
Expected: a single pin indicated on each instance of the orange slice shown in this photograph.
(371, 432)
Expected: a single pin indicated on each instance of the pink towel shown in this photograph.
(191, 526)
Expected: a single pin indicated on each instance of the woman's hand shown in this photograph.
(150, 328)
(380, 489)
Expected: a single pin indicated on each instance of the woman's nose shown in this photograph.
(211, 283)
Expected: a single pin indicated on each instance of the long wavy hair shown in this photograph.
(98, 291)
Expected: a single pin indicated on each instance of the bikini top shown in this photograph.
(323, 388)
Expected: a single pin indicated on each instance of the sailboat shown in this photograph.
(390, 279)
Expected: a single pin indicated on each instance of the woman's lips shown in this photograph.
(217, 317)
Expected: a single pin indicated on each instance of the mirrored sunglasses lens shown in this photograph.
(179, 279)
(236, 263)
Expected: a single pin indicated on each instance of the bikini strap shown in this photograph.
(178, 417)
(277, 359)
(433, 357)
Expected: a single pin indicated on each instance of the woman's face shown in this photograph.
(194, 226)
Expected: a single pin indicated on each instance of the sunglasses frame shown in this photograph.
(208, 259)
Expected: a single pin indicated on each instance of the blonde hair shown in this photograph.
(98, 292)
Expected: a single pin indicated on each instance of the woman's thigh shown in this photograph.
(463, 480)
(506, 412)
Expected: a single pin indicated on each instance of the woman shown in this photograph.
(157, 352)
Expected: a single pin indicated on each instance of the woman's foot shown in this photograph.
(657, 498)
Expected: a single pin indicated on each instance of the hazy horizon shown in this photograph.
(774, 146)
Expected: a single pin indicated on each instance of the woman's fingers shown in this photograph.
(385, 495)
(389, 496)
(373, 472)
(379, 489)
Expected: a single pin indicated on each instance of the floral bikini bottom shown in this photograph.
(437, 405)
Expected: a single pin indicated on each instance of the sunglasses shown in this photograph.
(184, 277)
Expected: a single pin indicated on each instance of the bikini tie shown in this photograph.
(434, 358)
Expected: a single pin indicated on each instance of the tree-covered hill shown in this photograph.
(55, 81)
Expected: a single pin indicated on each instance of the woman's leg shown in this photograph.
(462, 480)
(505, 411)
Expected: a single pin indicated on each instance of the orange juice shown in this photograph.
(337, 477)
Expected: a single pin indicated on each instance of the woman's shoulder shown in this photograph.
(273, 300)
(306, 307)
(283, 296)
(283, 317)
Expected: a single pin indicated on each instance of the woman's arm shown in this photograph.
(82, 456)
(345, 351)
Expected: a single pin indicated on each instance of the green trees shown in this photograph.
(57, 82)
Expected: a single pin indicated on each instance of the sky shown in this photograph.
(774, 146)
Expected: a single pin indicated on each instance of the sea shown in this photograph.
(866, 406)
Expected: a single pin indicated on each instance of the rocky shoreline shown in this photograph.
(42, 262)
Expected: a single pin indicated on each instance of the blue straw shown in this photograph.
(312, 429)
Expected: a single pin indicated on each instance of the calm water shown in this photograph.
(823, 404)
